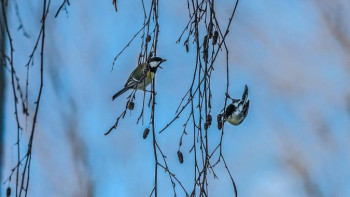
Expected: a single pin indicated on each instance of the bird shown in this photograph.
(237, 111)
(142, 75)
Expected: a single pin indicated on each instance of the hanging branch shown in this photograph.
(26, 169)
(63, 5)
(22, 182)
(208, 44)
(202, 16)
(11, 62)
(114, 2)
(148, 49)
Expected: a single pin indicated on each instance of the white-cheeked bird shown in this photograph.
(237, 111)
(142, 76)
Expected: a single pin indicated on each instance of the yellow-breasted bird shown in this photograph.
(238, 109)
(142, 76)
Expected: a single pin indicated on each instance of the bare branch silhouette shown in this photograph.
(22, 182)
(198, 97)
(63, 5)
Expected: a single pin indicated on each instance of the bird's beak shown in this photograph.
(163, 60)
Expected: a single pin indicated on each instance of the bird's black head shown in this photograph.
(155, 62)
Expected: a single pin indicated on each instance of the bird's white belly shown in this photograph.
(235, 120)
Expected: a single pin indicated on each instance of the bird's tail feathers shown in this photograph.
(245, 93)
(120, 93)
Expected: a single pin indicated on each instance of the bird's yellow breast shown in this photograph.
(147, 80)
(150, 74)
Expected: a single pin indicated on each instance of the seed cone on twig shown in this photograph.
(209, 119)
(210, 29)
(205, 41)
(8, 192)
(206, 125)
(148, 38)
(219, 119)
(131, 105)
(215, 37)
(180, 156)
(145, 133)
(220, 125)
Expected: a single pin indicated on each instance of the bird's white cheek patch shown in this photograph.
(154, 64)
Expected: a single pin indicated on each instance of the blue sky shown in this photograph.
(288, 52)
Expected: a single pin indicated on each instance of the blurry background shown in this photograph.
(294, 56)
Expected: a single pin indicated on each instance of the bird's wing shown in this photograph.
(239, 105)
(244, 111)
(137, 75)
